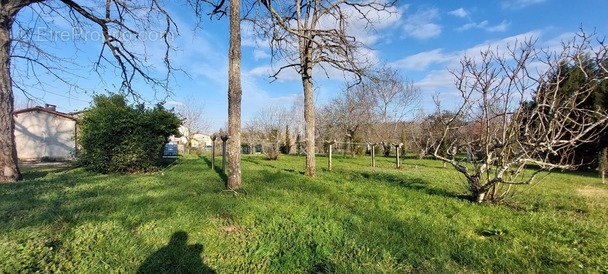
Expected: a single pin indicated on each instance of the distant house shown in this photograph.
(44, 132)
(200, 140)
(179, 140)
(197, 140)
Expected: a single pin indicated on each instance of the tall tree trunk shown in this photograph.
(234, 98)
(306, 63)
(9, 169)
(309, 117)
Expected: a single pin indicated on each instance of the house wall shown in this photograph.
(202, 140)
(42, 134)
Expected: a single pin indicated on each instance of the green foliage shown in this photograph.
(359, 149)
(117, 137)
(286, 147)
(298, 144)
(48, 159)
(355, 219)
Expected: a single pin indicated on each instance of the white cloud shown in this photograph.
(436, 80)
(257, 95)
(421, 25)
(467, 26)
(422, 60)
(265, 71)
(422, 31)
(502, 45)
(556, 43)
(364, 23)
(174, 103)
(485, 25)
(440, 79)
(497, 28)
(250, 36)
(260, 71)
(520, 4)
(462, 13)
(260, 54)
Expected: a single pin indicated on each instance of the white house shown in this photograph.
(197, 140)
(43, 132)
(201, 141)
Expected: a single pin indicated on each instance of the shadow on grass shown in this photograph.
(176, 257)
(207, 161)
(167, 162)
(217, 169)
(33, 173)
(66, 199)
(416, 184)
(583, 173)
(266, 163)
(401, 180)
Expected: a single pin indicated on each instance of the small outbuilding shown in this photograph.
(45, 133)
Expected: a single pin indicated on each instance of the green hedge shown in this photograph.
(116, 137)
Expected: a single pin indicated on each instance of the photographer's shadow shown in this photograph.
(176, 257)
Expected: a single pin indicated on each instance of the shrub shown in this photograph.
(49, 159)
(119, 138)
(272, 147)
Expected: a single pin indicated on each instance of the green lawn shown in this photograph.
(354, 219)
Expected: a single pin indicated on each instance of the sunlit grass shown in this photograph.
(354, 219)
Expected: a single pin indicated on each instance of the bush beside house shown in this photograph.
(120, 138)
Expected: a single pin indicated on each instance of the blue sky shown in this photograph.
(423, 40)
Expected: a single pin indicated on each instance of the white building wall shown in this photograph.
(41, 134)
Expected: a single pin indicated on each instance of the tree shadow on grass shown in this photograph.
(176, 257)
(401, 180)
(207, 160)
(33, 173)
(412, 183)
(217, 169)
(266, 163)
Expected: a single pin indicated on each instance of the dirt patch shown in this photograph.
(593, 192)
(232, 228)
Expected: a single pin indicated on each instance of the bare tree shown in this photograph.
(394, 98)
(192, 114)
(250, 136)
(307, 34)
(297, 124)
(328, 121)
(512, 135)
(353, 112)
(426, 131)
(374, 110)
(24, 102)
(269, 123)
(123, 28)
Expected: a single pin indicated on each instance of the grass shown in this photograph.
(354, 219)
